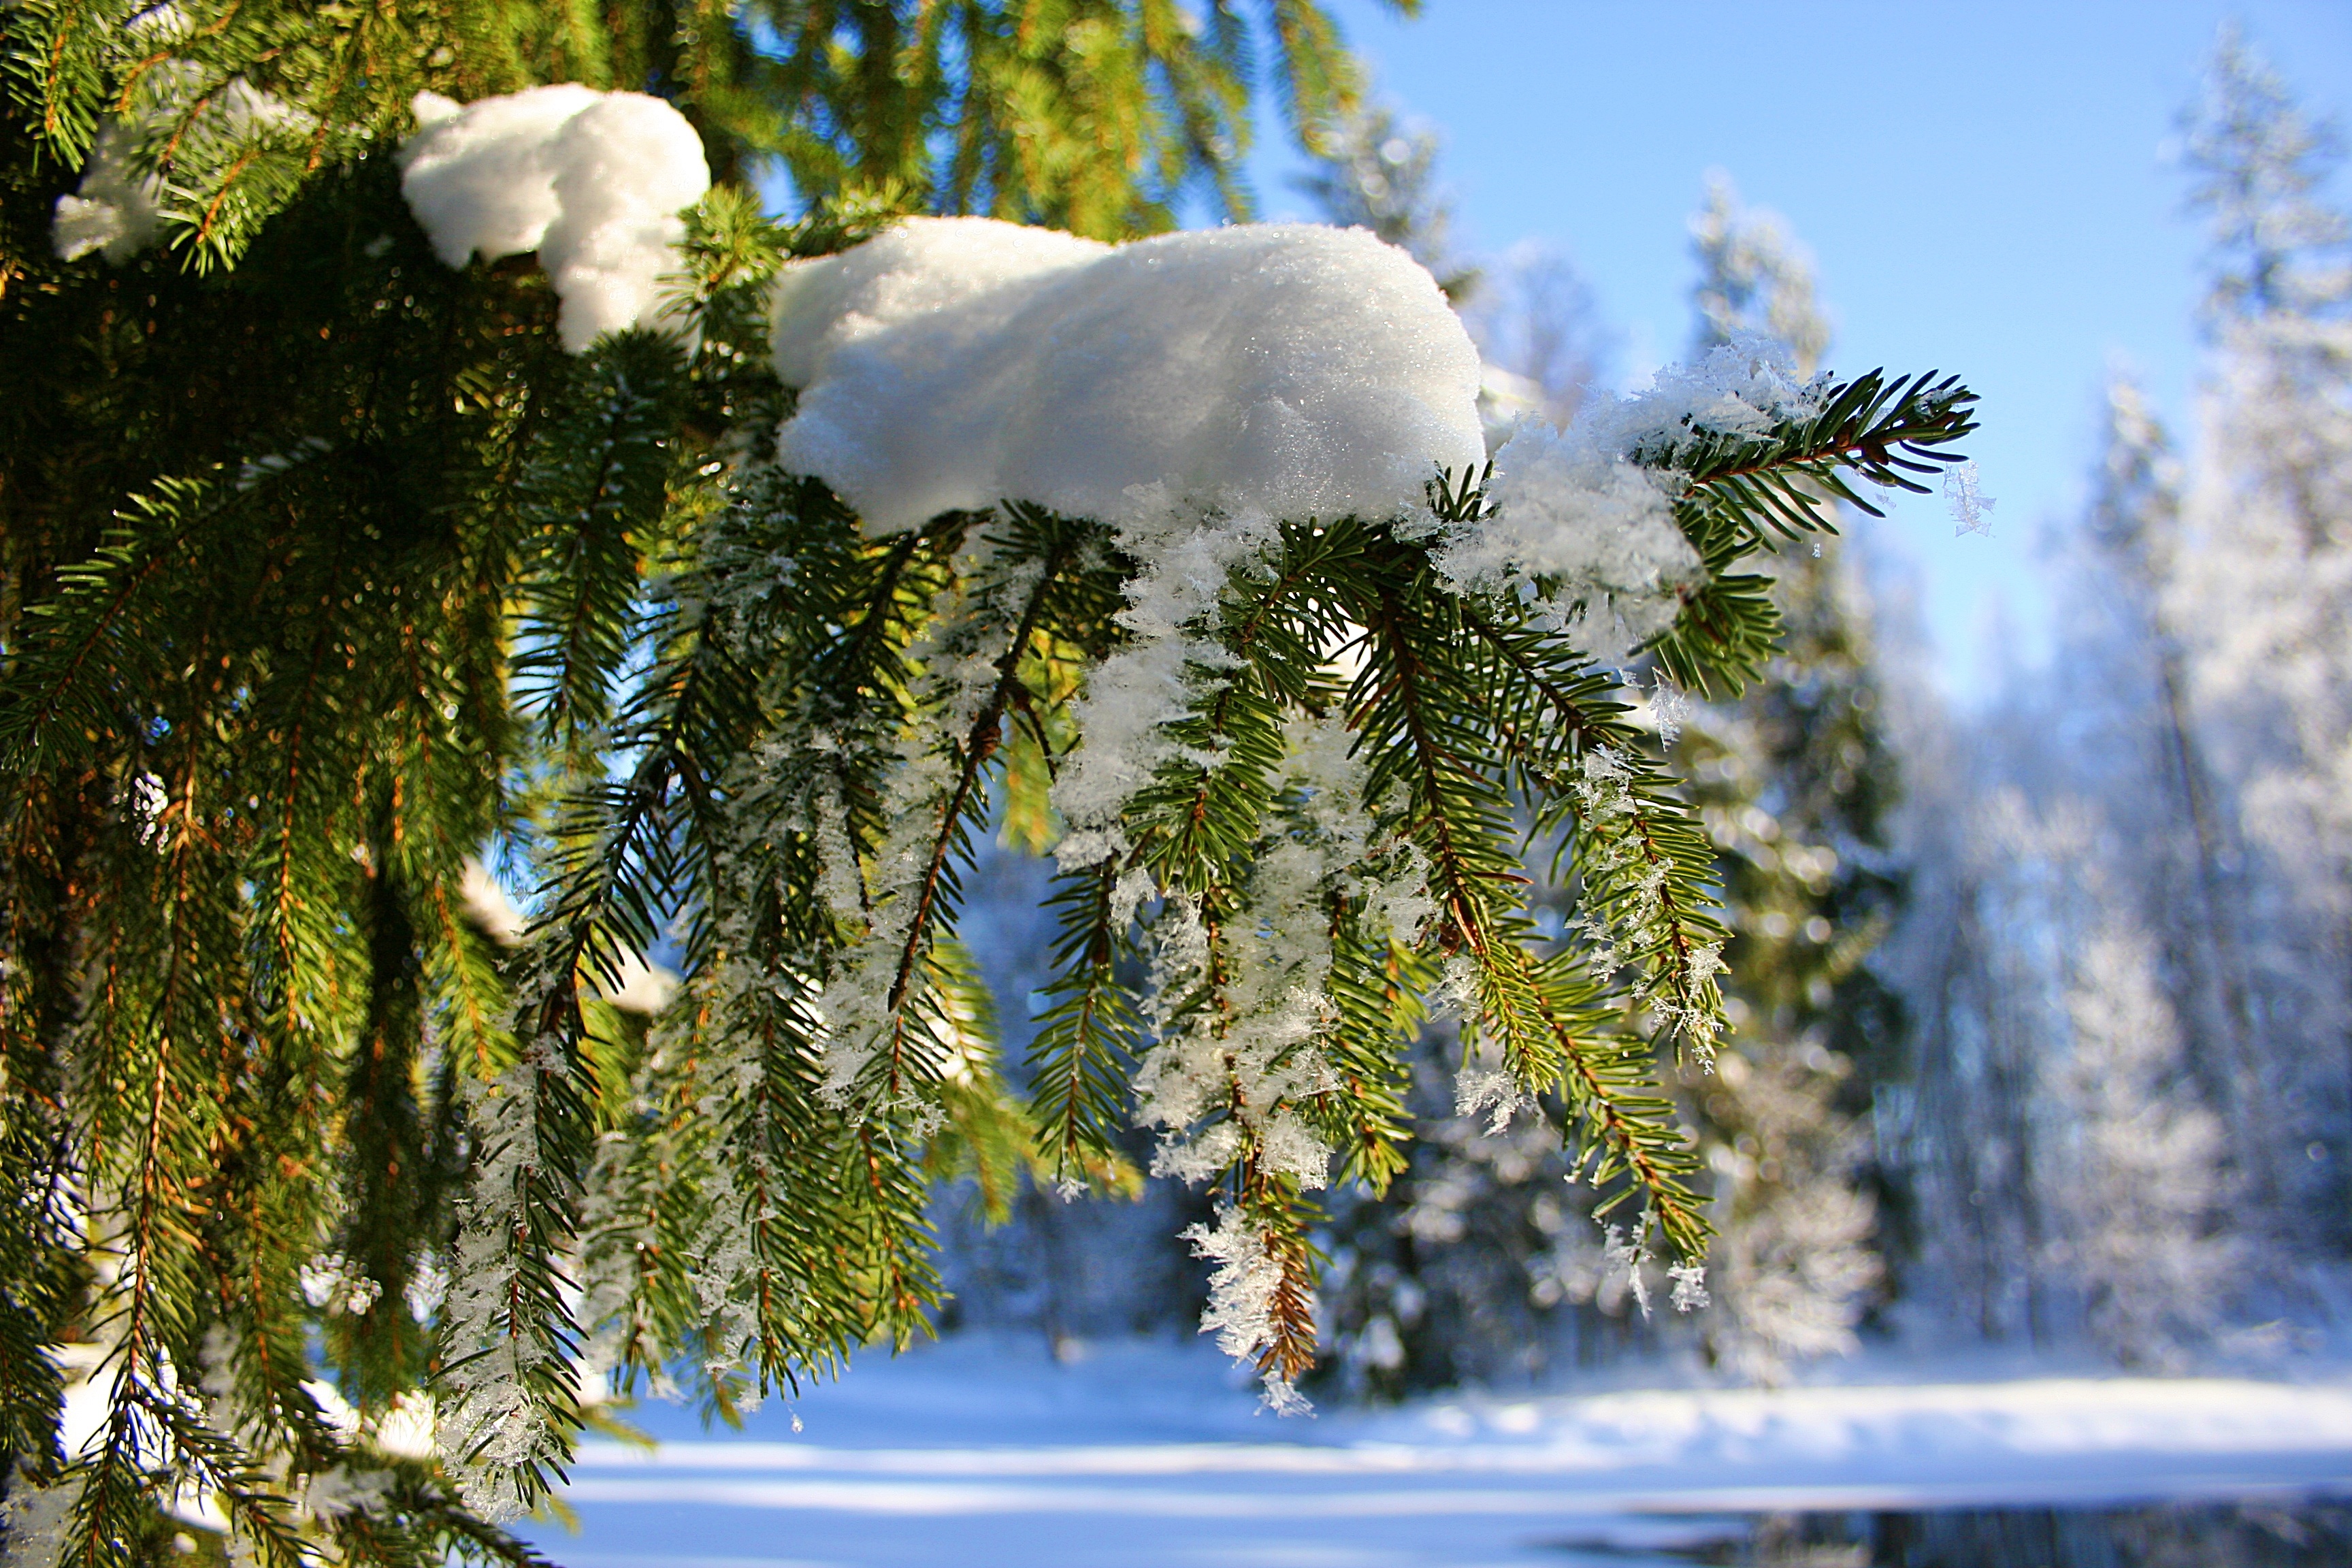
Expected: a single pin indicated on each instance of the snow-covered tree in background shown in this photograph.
(2125, 953)
(1539, 328)
(2262, 594)
(2145, 1185)
(1795, 782)
(1380, 173)
(1753, 277)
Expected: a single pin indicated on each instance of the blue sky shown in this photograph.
(1989, 189)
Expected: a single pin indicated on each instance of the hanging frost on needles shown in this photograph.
(780, 563)
(1192, 540)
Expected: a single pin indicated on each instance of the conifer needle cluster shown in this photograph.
(326, 575)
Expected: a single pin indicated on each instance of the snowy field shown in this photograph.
(990, 1454)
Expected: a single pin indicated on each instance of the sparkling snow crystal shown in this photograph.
(1284, 370)
(1969, 504)
(591, 181)
(1573, 508)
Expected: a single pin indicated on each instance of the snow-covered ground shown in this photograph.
(989, 1454)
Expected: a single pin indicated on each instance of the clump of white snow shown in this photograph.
(591, 181)
(1281, 371)
(117, 210)
(114, 211)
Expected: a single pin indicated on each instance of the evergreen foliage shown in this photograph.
(2126, 955)
(324, 571)
(1796, 783)
(1481, 1263)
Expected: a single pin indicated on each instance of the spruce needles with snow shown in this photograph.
(344, 550)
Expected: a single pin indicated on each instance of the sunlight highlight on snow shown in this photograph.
(591, 181)
(1280, 370)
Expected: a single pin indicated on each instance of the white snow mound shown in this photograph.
(1279, 370)
(591, 181)
(113, 212)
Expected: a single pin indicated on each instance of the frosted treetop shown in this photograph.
(591, 181)
(1278, 370)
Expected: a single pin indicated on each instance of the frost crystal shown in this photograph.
(1969, 504)
(1586, 516)
(591, 181)
(1244, 1279)
(1629, 1253)
(1491, 1092)
(1146, 683)
(1670, 707)
(1690, 1286)
(428, 1286)
(1285, 370)
(1575, 515)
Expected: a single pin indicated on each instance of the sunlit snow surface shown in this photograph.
(1287, 370)
(591, 181)
(979, 1454)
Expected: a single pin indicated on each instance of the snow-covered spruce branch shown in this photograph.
(508, 1402)
(881, 1034)
(1764, 472)
(511, 1322)
(512, 1328)
(1419, 716)
(1890, 434)
(1646, 864)
(1463, 684)
(1090, 1035)
(803, 1225)
(733, 1214)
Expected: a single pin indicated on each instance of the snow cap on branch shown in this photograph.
(115, 211)
(1281, 370)
(591, 181)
